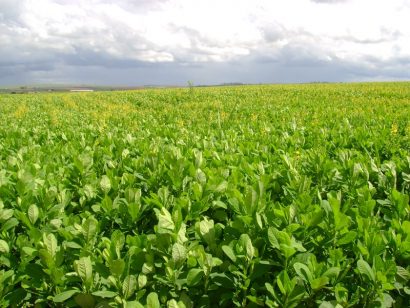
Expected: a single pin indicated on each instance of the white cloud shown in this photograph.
(47, 32)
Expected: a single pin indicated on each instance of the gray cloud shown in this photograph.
(148, 42)
(329, 1)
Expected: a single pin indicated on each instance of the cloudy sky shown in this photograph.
(142, 42)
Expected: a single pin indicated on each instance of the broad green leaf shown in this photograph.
(90, 191)
(365, 269)
(319, 283)
(332, 272)
(129, 285)
(347, 238)
(297, 245)
(50, 243)
(206, 228)
(118, 241)
(153, 301)
(63, 296)
(303, 272)
(133, 304)
(229, 252)
(105, 184)
(326, 304)
(29, 251)
(165, 222)
(72, 245)
(142, 281)
(246, 242)
(85, 300)
(134, 210)
(10, 224)
(33, 213)
(220, 189)
(200, 176)
(198, 159)
(6, 214)
(107, 204)
(270, 289)
(105, 294)
(403, 273)
(4, 247)
(341, 293)
(178, 253)
(386, 300)
(172, 304)
(83, 267)
(117, 267)
(182, 234)
(90, 228)
(194, 276)
(272, 238)
(284, 283)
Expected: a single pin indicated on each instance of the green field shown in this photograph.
(251, 196)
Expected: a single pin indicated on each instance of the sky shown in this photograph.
(160, 42)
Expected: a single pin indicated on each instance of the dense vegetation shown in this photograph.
(277, 196)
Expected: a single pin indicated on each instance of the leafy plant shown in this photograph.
(277, 196)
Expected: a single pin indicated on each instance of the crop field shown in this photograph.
(250, 196)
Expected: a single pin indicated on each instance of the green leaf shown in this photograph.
(198, 158)
(117, 267)
(229, 252)
(365, 269)
(63, 296)
(341, 293)
(270, 289)
(332, 272)
(142, 281)
(15, 298)
(284, 283)
(33, 213)
(50, 243)
(347, 238)
(272, 238)
(319, 283)
(83, 267)
(133, 304)
(85, 300)
(386, 300)
(152, 300)
(90, 191)
(106, 204)
(105, 184)
(403, 273)
(326, 304)
(165, 222)
(303, 272)
(105, 294)
(117, 241)
(178, 253)
(200, 176)
(72, 245)
(246, 243)
(129, 285)
(134, 210)
(9, 224)
(172, 304)
(90, 228)
(194, 276)
(207, 231)
(4, 247)
(6, 214)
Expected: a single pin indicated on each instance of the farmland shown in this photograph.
(250, 196)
